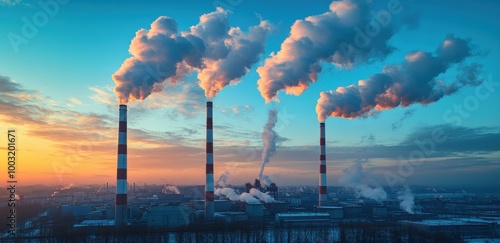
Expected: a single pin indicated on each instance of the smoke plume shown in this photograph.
(265, 180)
(407, 200)
(223, 180)
(413, 81)
(265, 197)
(220, 54)
(269, 137)
(350, 33)
(170, 189)
(354, 178)
(233, 196)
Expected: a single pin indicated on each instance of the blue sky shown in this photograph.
(74, 55)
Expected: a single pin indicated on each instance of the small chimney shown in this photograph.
(121, 174)
(322, 167)
(209, 185)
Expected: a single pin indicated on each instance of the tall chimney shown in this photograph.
(209, 185)
(121, 173)
(322, 167)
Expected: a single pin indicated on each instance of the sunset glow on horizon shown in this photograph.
(421, 90)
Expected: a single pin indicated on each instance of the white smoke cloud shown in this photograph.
(265, 180)
(407, 200)
(231, 194)
(414, 81)
(269, 138)
(223, 180)
(354, 178)
(337, 36)
(170, 189)
(67, 187)
(265, 197)
(220, 55)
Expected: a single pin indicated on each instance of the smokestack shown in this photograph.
(322, 166)
(209, 185)
(121, 173)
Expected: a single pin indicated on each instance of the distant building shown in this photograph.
(316, 219)
(219, 205)
(103, 212)
(334, 212)
(352, 210)
(295, 201)
(275, 207)
(95, 223)
(231, 217)
(77, 211)
(167, 216)
(254, 211)
(379, 211)
(464, 227)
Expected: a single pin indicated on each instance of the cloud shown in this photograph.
(410, 82)
(236, 109)
(75, 101)
(220, 55)
(338, 36)
(103, 95)
(19, 104)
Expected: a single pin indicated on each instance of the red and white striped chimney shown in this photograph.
(322, 167)
(121, 173)
(209, 185)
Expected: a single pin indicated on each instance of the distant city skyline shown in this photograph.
(435, 122)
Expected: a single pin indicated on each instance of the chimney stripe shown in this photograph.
(210, 168)
(209, 123)
(322, 169)
(121, 174)
(122, 149)
(121, 199)
(210, 147)
(122, 126)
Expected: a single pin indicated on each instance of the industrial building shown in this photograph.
(333, 211)
(254, 211)
(309, 219)
(167, 216)
(463, 227)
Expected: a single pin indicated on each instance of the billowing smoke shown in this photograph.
(220, 54)
(407, 200)
(233, 196)
(265, 197)
(170, 189)
(223, 180)
(413, 81)
(67, 187)
(265, 180)
(348, 34)
(354, 178)
(269, 138)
